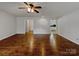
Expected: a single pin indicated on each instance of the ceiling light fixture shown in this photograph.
(30, 9)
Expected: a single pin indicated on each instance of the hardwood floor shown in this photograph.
(36, 45)
(67, 47)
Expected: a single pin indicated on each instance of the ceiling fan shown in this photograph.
(31, 7)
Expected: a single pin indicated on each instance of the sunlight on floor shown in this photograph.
(42, 50)
(53, 43)
(30, 41)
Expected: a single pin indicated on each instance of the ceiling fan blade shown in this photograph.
(38, 7)
(36, 11)
(21, 7)
(31, 5)
(26, 3)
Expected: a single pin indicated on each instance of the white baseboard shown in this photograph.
(7, 36)
(72, 40)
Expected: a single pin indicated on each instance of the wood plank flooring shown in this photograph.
(36, 45)
(67, 47)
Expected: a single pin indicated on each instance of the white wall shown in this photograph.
(68, 27)
(7, 25)
(41, 25)
(21, 25)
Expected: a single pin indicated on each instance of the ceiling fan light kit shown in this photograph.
(30, 9)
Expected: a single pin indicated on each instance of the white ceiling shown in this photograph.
(49, 9)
